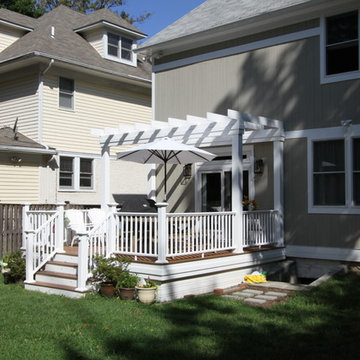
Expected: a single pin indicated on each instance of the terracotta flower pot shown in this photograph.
(146, 295)
(107, 290)
(127, 293)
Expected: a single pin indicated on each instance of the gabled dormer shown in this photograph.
(13, 26)
(112, 37)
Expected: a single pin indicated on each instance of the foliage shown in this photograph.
(249, 204)
(110, 270)
(320, 324)
(148, 283)
(127, 280)
(13, 266)
(25, 7)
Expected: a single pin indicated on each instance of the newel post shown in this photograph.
(111, 230)
(25, 223)
(29, 240)
(59, 228)
(162, 233)
(83, 263)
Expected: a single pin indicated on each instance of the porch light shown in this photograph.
(259, 166)
(187, 171)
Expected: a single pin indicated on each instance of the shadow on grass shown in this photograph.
(320, 324)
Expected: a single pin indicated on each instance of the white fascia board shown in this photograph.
(16, 26)
(27, 150)
(102, 23)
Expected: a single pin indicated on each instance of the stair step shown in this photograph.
(68, 258)
(48, 288)
(56, 278)
(61, 267)
(62, 263)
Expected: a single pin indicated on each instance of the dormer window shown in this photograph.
(119, 48)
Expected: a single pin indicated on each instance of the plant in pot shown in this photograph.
(108, 272)
(146, 291)
(126, 286)
(13, 267)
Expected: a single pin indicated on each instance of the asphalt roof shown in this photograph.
(68, 45)
(216, 13)
(8, 138)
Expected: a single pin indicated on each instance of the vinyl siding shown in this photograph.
(96, 106)
(280, 82)
(95, 39)
(19, 183)
(19, 98)
(8, 36)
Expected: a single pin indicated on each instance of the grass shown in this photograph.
(319, 324)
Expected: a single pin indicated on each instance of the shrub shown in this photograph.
(13, 267)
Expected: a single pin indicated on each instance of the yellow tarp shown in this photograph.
(255, 278)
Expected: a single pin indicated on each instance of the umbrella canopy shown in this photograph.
(165, 151)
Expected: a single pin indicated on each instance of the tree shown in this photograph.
(36, 8)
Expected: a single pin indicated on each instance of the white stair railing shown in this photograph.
(260, 227)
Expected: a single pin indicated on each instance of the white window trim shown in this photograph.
(76, 171)
(73, 98)
(115, 58)
(326, 79)
(338, 133)
(223, 166)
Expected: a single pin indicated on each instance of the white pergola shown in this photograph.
(234, 129)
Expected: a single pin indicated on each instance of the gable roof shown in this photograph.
(68, 46)
(216, 15)
(16, 19)
(10, 141)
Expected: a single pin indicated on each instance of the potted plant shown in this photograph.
(108, 271)
(13, 267)
(126, 286)
(146, 291)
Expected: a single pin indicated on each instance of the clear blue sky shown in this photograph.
(164, 12)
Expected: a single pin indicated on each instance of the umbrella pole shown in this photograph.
(165, 181)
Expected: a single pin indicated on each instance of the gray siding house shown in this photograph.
(296, 61)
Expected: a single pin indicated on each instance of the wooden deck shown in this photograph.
(73, 250)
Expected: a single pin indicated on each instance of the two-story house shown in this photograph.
(296, 61)
(62, 75)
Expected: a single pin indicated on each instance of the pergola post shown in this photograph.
(237, 188)
(105, 169)
(278, 149)
(162, 233)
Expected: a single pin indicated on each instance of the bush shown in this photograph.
(128, 280)
(13, 267)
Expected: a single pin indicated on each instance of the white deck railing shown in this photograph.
(260, 227)
(198, 233)
(136, 234)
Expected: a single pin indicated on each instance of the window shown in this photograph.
(329, 172)
(66, 93)
(76, 173)
(121, 48)
(341, 46)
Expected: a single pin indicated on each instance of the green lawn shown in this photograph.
(321, 324)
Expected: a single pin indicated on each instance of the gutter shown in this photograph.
(86, 66)
(28, 150)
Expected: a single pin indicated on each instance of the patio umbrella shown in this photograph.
(165, 151)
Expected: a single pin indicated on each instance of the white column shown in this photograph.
(162, 233)
(29, 236)
(111, 230)
(83, 263)
(237, 190)
(25, 223)
(278, 150)
(105, 178)
(59, 237)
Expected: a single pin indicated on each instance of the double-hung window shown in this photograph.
(341, 50)
(335, 176)
(66, 93)
(76, 173)
(120, 48)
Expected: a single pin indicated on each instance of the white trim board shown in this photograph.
(322, 253)
(281, 39)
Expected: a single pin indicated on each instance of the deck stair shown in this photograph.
(59, 276)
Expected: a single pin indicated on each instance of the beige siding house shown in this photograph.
(62, 75)
(295, 61)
